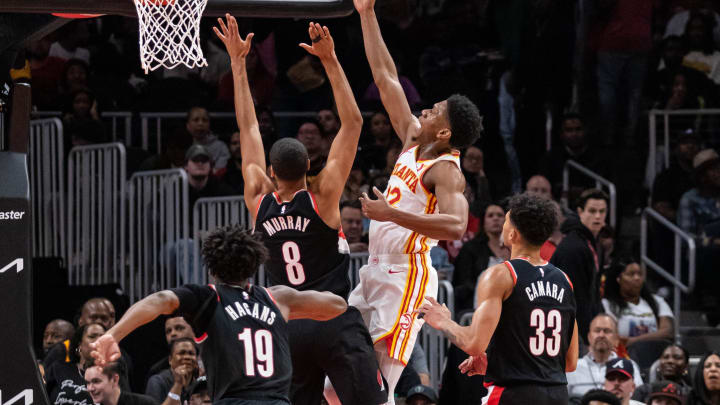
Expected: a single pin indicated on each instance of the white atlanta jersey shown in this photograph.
(407, 192)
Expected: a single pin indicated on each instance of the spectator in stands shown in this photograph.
(75, 76)
(310, 135)
(702, 55)
(479, 253)
(266, 125)
(473, 169)
(329, 123)
(640, 314)
(351, 219)
(619, 380)
(175, 328)
(355, 184)
(539, 186)
(170, 385)
(198, 166)
(199, 392)
(232, 174)
(700, 206)
(706, 384)
(624, 41)
(548, 248)
(97, 310)
(56, 331)
(382, 137)
(590, 371)
(574, 146)
(64, 381)
(606, 245)
(72, 39)
(106, 388)
(665, 393)
(674, 181)
(175, 143)
(599, 397)
(672, 367)
(80, 105)
(198, 125)
(421, 395)
(682, 94)
(678, 22)
(47, 72)
(578, 256)
(660, 83)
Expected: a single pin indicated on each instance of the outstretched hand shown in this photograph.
(321, 42)
(474, 365)
(378, 210)
(364, 5)
(236, 47)
(105, 350)
(434, 313)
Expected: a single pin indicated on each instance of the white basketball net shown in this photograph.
(170, 33)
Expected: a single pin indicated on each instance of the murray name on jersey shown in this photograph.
(256, 310)
(542, 288)
(287, 222)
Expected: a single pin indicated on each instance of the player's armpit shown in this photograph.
(257, 183)
(317, 305)
(573, 353)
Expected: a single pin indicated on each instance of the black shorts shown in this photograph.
(340, 348)
(534, 394)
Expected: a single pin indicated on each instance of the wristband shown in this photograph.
(174, 396)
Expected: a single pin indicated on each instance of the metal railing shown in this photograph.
(357, 260)
(676, 277)
(46, 165)
(208, 215)
(599, 181)
(96, 214)
(659, 154)
(434, 342)
(120, 122)
(159, 233)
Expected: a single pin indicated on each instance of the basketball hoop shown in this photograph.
(170, 33)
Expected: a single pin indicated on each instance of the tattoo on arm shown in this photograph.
(451, 337)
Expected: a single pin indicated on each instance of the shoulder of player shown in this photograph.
(499, 275)
(444, 172)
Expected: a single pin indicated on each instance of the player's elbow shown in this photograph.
(570, 365)
(334, 306)
(456, 231)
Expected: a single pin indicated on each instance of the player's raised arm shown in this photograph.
(385, 74)
(494, 286)
(317, 305)
(105, 349)
(448, 224)
(332, 178)
(257, 182)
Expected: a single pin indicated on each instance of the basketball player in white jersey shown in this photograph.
(423, 203)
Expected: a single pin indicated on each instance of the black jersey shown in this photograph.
(243, 340)
(305, 253)
(535, 328)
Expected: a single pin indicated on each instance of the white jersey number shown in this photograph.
(539, 344)
(260, 354)
(295, 270)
